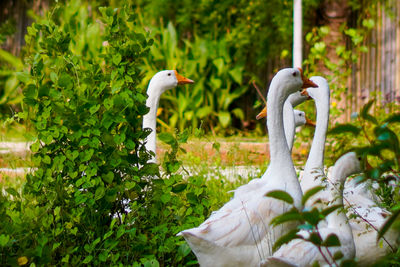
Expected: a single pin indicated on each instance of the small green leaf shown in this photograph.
(117, 59)
(330, 209)
(331, 241)
(224, 118)
(94, 109)
(345, 128)
(4, 240)
(292, 234)
(313, 216)
(388, 223)
(23, 76)
(291, 215)
(87, 259)
(179, 187)
(315, 239)
(166, 138)
(311, 192)
(281, 195)
(365, 109)
(100, 191)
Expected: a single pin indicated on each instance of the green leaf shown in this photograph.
(100, 191)
(12, 192)
(166, 138)
(331, 241)
(393, 118)
(184, 250)
(23, 77)
(87, 259)
(117, 59)
(179, 187)
(281, 195)
(312, 217)
(345, 128)
(292, 234)
(94, 109)
(364, 112)
(315, 239)
(291, 215)
(224, 118)
(338, 255)
(366, 107)
(4, 240)
(311, 192)
(330, 209)
(108, 177)
(388, 223)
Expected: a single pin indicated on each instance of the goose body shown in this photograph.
(241, 226)
(159, 83)
(301, 253)
(359, 202)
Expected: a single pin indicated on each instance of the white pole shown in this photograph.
(297, 34)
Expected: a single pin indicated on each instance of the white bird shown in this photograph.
(161, 82)
(369, 216)
(301, 253)
(290, 123)
(239, 233)
(314, 168)
(366, 224)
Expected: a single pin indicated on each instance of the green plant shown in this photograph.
(309, 220)
(218, 81)
(376, 140)
(86, 110)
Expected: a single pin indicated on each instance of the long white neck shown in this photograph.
(150, 119)
(280, 157)
(315, 159)
(335, 186)
(289, 124)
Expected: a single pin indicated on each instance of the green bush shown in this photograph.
(93, 198)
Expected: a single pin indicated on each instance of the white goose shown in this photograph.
(314, 168)
(368, 250)
(301, 253)
(239, 234)
(290, 123)
(161, 82)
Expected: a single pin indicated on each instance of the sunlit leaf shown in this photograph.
(311, 192)
(281, 195)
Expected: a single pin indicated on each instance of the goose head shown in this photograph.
(345, 166)
(293, 80)
(320, 93)
(301, 119)
(166, 80)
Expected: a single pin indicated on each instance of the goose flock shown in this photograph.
(240, 234)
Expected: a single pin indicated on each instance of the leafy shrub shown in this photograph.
(87, 111)
(93, 198)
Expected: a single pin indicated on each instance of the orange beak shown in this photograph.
(306, 82)
(305, 93)
(310, 122)
(181, 79)
(262, 114)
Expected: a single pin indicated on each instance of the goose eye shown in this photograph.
(294, 74)
(169, 74)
